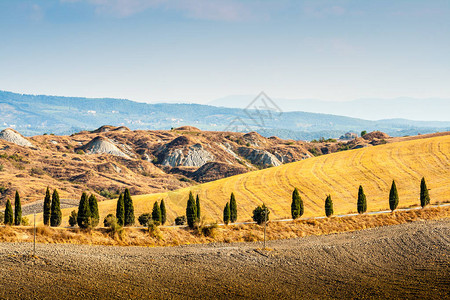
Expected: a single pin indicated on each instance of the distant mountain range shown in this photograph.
(39, 114)
(371, 109)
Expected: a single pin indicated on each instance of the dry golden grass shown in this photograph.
(338, 174)
(232, 233)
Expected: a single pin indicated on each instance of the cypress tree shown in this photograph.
(295, 205)
(197, 203)
(329, 206)
(55, 214)
(362, 203)
(129, 209)
(393, 197)
(84, 212)
(191, 211)
(93, 208)
(233, 208)
(120, 210)
(17, 210)
(9, 216)
(424, 196)
(156, 213)
(226, 214)
(47, 207)
(162, 207)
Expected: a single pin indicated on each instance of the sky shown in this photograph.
(201, 50)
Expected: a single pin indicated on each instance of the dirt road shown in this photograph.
(403, 261)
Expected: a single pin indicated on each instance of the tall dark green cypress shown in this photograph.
(393, 197)
(197, 203)
(17, 210)
(362, 203)
(226, 214)
(55, 213)
(233, 208)
(120, 210)
(191, 211)
(9, 216)
(295, 204)
(47, 207)
(156, 213)
(84, 212)
(162, 207)
(129, 209)
(329, 206)
(93, 208)
(424, 196)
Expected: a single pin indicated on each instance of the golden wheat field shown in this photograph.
(338, 174)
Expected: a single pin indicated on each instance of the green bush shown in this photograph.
(260, 213)
(25, 221)
(180, 220)
(144, 219)
(73, 218)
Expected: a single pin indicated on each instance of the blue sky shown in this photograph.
(200, 50)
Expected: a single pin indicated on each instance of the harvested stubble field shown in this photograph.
(408, 261)
(338, 174)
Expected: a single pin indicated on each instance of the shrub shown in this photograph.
(37, 171)
(363, 133)
(144, 219)
(115, 230)
(180, 220)
(329, 206)
(73, 218)
(108, 220)
(424, 196)
(25, 221)
(209, 230)
(260, 214)
(393, 196)
(362, 203)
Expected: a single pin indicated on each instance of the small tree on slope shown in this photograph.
(296, 205)
(93, 208)
(191, 211)
(226, 214)
(55, 214)
(17, 210)
(362, 203)
(129, 208)
(424, 196)
(84, 212)
(47, 207)
(393, 197)
(9, 216)
(197, 203)
(233, 208)
(162, 207)
(120, 210)
(156, 213)
(329, 206)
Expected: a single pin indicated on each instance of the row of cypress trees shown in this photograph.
(193, 210)
(230, 210)
(125, 209)
(297, 202)
(52, 209)
(88, 215)
(16, 217)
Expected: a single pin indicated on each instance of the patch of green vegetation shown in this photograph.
(323, 140)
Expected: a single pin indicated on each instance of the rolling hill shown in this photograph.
(338, 174)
